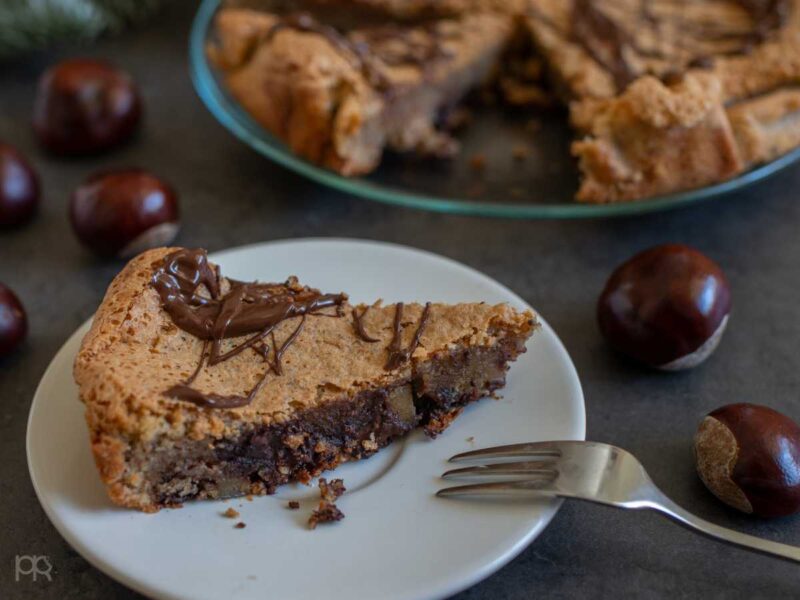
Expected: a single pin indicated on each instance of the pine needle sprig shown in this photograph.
(32, 24)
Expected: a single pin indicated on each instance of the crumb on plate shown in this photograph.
(327, 511)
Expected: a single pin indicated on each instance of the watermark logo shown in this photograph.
(32, 566)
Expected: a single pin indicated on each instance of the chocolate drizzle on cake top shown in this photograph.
(358, 326)
(391, 44)
(397, 354)
(397, 46)
(614, 47)
(303, 21)
(247, 309)
(191, 293)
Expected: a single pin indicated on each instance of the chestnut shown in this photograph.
(749, 457)
(85, 106)
(666, 307)
(122, 213)
(19, 188)
(13, 322)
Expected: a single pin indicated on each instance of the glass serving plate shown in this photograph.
(540, 186)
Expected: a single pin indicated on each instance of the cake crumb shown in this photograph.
(231, 513)
(327, 511)
(293, 505)
(240, 525)
(471, 439)
(331, 491)
(477, 162)
(521, 152)
(249, 497)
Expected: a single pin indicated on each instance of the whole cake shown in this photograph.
(663, 95)
(198, 386)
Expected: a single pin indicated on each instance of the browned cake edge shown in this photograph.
(319, 97)
(655, 139)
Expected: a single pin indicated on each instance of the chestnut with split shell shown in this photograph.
(666, 307)
(13, 321)
(122, 213)
(749, 457)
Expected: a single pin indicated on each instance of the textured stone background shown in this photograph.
(233, 196)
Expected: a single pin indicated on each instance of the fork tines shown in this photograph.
(522, 476)
(531, 449)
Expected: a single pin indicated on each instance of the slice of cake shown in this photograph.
(197, 386)
(338, 99)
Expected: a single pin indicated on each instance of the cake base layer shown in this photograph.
(262, 458)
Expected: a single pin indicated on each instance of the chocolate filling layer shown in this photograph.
(316, 439)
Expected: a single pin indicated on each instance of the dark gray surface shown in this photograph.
(231, 196)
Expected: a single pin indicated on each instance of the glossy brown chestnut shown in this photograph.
(13, 322)
(749, 457)
(122, 213)
(19, 188)
(85, 106)
(666, 307)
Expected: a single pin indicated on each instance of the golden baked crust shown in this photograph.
(574, 73)
(655, 139)
(315, 93)
(596, 48)
(134, 353)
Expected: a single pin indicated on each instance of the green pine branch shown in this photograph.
(31, 24)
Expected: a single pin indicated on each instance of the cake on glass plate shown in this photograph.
(663, 95)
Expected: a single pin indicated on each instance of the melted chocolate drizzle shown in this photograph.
(358, 326)
(397, 354)
(396, 46)
(608, 43)
(303, 21)
(365, 44)
(253, 309)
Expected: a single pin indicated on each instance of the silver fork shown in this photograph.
(587, 471)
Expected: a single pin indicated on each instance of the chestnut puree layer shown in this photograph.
(199, 386)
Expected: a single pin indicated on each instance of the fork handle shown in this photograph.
(666, 506)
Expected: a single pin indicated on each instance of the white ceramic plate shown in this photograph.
(397, 541)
